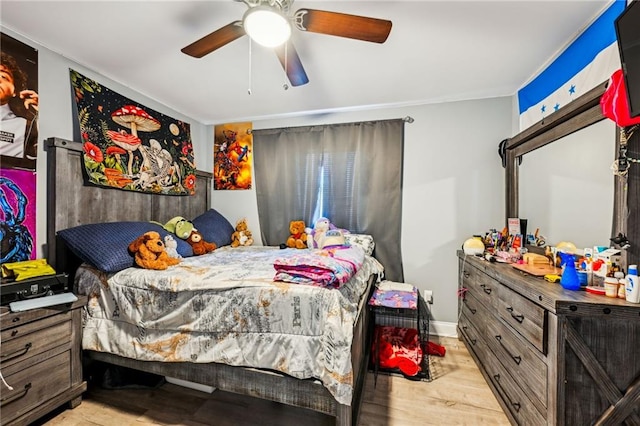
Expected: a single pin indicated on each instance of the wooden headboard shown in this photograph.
(71, 202)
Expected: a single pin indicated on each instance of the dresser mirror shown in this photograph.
(567, 187)
(564, 185)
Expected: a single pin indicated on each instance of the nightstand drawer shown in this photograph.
(35, 385)
(23, 346)
(524, 316)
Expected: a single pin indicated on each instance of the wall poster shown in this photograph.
(18, 103)
(129, 146)
(233, 156)
(18, 216)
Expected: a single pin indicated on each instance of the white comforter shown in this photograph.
(225, 307)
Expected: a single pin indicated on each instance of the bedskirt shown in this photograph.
(224, 307)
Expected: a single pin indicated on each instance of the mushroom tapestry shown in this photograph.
(129, 146)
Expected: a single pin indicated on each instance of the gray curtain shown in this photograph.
(350, 173)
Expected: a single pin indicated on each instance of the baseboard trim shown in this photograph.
(443, 329)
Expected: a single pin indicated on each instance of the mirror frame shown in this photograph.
(578, 114)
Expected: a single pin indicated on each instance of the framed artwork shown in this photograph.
(129, 146)
(232, 156)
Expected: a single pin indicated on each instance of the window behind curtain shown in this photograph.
(350, 173)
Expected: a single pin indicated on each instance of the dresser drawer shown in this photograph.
(474, 339)
(527, 318)
(521, 360)
(481, 285)
(34, 385)
(475, 311)
(520, 407)
(23, 346)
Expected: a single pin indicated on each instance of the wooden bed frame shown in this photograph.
(71, 203)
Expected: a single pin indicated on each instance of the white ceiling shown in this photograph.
(437, 51)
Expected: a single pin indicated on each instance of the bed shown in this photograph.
(220, 313)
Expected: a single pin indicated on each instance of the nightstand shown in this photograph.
(41, 358)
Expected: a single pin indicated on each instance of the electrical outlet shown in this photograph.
(427, 295)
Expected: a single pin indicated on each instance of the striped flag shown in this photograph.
(588, 61)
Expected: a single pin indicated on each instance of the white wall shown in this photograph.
(453, 181)
(453, 185)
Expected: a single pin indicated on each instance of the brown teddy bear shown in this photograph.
(149, 252)
(198, 244)
(298, 237)
(241, 236)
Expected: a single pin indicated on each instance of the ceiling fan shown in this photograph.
(268, 22)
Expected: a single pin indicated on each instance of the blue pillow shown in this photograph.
(214, 228)
(105, 245)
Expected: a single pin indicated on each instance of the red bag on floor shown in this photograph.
(435, 349)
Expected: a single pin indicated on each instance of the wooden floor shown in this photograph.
(457, 395)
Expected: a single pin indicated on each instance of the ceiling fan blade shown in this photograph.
(215, 40)
(292, 65)
(343, 25)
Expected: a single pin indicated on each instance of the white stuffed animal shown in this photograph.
(315, 238)
(171, 247)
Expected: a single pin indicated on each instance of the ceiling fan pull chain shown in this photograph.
(250, 73)
(285, 86)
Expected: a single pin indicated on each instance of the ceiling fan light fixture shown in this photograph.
(266, 26)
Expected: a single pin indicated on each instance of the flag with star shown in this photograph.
(585, 63)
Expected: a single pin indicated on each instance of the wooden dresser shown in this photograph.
(40, 357)
(551, 356)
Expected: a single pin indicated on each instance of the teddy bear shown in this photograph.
(198, 244)
(171, 246)
(298, 237)
(149, 252)
(241, 236)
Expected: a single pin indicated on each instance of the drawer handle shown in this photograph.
(18, 352)
(516, 358)
(518, 318)
(18, 395)
(473, 311)
(485, 288)
(473, 341)
(516, 405)
(466, 274)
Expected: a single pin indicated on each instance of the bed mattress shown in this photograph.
(224, 307)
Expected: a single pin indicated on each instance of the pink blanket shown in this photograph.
(326, 267)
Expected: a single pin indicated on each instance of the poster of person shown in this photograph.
(18, 103)
(18, 216)
(232, 156)
(129, 146)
